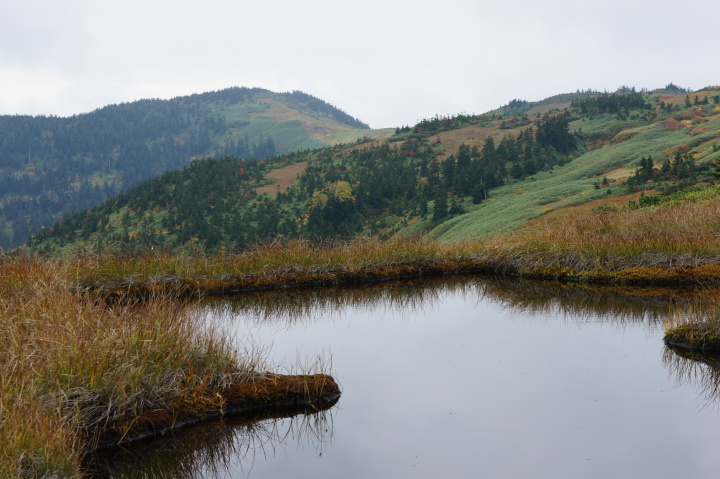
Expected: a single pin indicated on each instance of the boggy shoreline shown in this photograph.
(694, 338)
(271, 395)
(661, 275)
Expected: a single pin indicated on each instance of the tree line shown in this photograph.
(343, 192)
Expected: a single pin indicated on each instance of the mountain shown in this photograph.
(50, 165)
(451, 178)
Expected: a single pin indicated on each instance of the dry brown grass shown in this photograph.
(679, 99)
(555, 213)
(285, 177)
(70, 367)
(327, 131)
(473, 135)
(673, 244)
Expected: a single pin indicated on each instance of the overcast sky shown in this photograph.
(387, 62)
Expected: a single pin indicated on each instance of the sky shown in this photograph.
(387, 62)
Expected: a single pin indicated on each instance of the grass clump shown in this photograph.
(694, 328)
(72, 368)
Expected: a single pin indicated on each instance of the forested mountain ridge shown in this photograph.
(50, 165)
(448, 177)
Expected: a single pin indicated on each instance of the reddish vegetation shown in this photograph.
(672, 125)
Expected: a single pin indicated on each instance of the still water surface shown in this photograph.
(463, 378)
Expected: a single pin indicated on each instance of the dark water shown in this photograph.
(464, 378)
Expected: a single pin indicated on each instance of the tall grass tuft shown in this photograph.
(72, 367)
(694, 327)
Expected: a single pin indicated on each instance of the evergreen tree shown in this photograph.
(440, 208)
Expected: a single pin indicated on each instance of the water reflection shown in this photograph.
(214, 450)
(540, 298)
(483, 374)
(698, 370)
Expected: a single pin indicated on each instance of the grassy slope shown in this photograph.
(571, 183)
(290, 129)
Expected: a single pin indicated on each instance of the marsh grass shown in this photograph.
(697, 369)
(674, 243)
(274, 264)
(71, 367)
(694, 327)
(671, 243)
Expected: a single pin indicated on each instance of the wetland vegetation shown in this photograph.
(76, 372)
(75, 367)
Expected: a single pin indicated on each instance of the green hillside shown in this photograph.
(622, 142)
(453, 178)
(50, 165)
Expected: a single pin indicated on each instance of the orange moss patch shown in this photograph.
(267, 395)
(483, 264)
(703, 273)
(698, 338)
(274, 389)
(270, 281)
(642, 275)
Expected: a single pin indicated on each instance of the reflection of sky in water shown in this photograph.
(471, 379)
(465, 386)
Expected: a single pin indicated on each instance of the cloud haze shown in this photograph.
(388, 62)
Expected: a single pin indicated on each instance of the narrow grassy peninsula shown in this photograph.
(76, 373)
